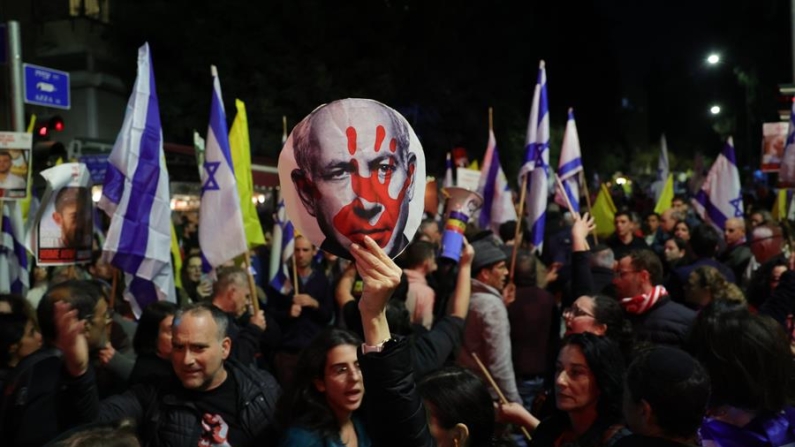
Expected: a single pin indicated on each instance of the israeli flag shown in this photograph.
(14, 276)
(448, 172)
(136, 197)
(281, 280)
(720, 197)
(570, 166)
(493, 186)
(221, 233)
(536, 161)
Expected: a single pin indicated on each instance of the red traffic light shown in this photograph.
(45, 125)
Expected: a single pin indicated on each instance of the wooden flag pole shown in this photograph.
(296, 280)
(520, 218)
(251, 285)
(568, 202)
(491, 118)
(493, 384)
(584, 182)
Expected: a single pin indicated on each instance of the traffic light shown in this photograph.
(46, 125)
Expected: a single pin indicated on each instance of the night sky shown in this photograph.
(631, 70)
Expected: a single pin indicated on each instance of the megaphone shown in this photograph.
(460, 205)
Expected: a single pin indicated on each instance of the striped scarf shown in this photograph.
(640, 304)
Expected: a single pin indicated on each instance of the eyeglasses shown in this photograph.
(575, 312)
(621, 273)
(108, 316)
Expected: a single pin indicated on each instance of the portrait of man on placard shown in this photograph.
(66, 227)
(13, 182)
(354, 168)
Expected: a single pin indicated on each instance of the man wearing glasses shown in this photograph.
(653, 315)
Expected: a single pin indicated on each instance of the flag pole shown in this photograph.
(295, 276)
(568, 202)
(584, 182)
(519, 219)
(251, 285)
(496, 387)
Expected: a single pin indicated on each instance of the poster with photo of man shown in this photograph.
(14, 162)
(64, 222)
(354, 168)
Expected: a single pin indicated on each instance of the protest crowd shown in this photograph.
(609, 324)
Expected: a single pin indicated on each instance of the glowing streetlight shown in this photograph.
(713, 59)
(714, 110)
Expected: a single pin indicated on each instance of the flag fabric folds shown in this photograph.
(603, 212)
(493, 186)
(221, 233)
(241, 158)
(536, 161)
(666, 195)
(14, 276)
(135, 195)
(720, 197)
(570, 166)
(448, 172)
(663, 169)
(281, 280)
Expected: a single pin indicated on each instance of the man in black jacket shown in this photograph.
(216, 402)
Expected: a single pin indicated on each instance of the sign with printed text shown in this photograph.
(15, 150)
(46, 86)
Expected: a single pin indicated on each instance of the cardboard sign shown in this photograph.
(62, 232)
(14, 164)
(354, 168)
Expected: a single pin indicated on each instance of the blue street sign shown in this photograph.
(46, 87)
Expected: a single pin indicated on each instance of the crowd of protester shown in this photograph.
(667, 333)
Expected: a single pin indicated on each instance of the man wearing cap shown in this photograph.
(487, 332)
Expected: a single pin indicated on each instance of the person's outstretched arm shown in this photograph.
(395, 412)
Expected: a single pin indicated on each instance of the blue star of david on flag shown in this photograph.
(212, 184)
(737, 204)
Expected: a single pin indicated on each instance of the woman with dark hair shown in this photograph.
(749, 362)
(460, 408)
(194, 287)
(152, 344)
(682, 230)
(319, 408)
(19, 338)
(588, 390)
(600, 315)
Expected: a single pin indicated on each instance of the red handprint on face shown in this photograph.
(373, 211)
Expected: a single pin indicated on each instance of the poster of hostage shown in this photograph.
(65, 219)
(14, 162)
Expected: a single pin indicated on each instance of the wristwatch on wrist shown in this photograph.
(367, 349)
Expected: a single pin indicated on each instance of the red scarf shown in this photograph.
(640, 304)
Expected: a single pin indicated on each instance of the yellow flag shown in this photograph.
(667, 195)
(177, 257)
(24, 204)
(780, 207)
(241, 159)
(474, 166)
(603, 212)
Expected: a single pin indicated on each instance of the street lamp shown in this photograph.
(714, 110)
(713, 59)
